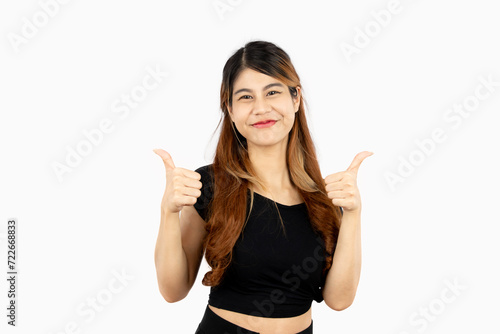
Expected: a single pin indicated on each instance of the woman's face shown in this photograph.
(258, 97)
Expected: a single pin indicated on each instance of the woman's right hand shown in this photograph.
(183, 185)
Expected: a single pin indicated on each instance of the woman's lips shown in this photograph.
(264, 125)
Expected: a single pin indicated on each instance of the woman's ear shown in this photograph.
(296, 99)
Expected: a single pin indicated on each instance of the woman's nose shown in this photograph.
(261, 106)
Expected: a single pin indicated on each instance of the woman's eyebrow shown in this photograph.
(276, 84)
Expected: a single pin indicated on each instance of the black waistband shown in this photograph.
(212, 323)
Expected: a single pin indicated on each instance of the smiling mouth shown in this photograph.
(264, 124)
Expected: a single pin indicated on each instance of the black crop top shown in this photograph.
(270, 275)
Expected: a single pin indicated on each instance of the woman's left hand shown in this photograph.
(342, 187)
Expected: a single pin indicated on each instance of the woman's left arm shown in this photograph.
(343, 277)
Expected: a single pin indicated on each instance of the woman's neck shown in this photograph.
(269, 162)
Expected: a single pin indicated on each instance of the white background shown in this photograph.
(438, 223)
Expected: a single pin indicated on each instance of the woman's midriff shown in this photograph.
(266, 325)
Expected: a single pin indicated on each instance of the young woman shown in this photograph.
(275, 233)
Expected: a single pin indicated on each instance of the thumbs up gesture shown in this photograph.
(183, 185)
(342, 187)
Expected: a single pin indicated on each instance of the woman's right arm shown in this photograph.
(179, 249)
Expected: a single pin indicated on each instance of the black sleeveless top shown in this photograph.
(271, 275)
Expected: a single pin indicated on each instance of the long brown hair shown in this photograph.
(233, 170)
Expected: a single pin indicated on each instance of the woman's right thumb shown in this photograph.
(165, 156)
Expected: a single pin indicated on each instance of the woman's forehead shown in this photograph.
(251, 79)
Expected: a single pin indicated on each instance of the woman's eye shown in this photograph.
(271, 93)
